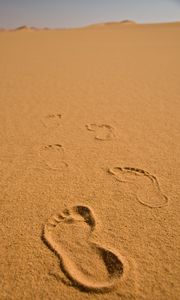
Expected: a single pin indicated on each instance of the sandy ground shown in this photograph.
(89, 163)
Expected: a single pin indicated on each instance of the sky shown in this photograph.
(77, 13)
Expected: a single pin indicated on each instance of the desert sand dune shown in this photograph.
(112, 24)
(89, 162)
(25, 28)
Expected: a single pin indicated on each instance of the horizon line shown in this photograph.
(125, 22)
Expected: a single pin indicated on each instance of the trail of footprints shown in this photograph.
(53, 154)
(68, 234)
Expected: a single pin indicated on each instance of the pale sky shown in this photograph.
(75, 13)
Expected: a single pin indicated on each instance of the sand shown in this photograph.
(89, 163)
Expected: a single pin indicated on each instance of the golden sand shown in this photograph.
(89, 163)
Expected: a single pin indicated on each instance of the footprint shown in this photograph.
(53, 156)
(52, 120)
(102, 132)
(89, 266)
(145, 185)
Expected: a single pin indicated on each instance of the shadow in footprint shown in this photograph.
(102, 132)
(51, 120)
(145, 185)
(89, 266)
(86, 213)
(53, 156)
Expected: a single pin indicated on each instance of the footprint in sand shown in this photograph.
(145, 185)
(88, 266)
(52, 120)
(53, 156)
(102, 132)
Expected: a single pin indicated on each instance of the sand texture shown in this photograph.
(90, 163)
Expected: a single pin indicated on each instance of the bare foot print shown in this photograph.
(51, 120)
(53, 156)
(145, 185)
(102, 132)
(88, 266)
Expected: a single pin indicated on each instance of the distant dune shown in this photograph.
(124, 22)
(32, 28)
(107, 24)
(25, 28)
